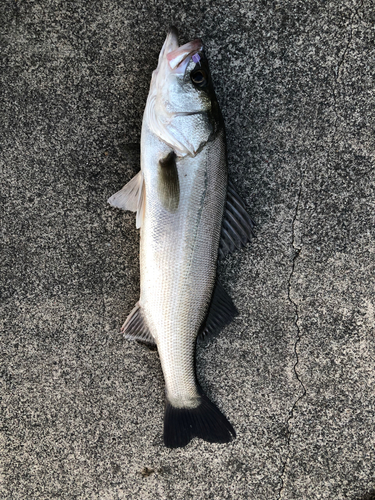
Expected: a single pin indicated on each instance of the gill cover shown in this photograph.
(177, 111)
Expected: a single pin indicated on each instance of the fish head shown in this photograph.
(181, 107)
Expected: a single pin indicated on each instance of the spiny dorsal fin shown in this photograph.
(237, 228)
(131, 197)
(135, 327)
(221, 312)
(168, 183)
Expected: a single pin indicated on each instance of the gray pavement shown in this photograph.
(82, 409)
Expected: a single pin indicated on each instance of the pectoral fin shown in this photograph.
(237, 228)
(131, 197)
(168, 183)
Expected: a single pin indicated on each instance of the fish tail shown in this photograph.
(205, 421)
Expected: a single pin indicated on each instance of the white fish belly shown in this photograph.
(178, 264)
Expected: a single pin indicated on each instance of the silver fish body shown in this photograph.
(178, 261)
(180, 197)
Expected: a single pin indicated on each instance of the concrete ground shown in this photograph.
(82, 409)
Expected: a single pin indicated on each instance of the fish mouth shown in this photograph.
(170, 44)
(178, 56)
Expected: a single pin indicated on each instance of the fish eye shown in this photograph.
(199, 78)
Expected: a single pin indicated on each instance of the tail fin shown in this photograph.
(205, 421)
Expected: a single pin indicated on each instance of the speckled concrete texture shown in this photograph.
(82, 409)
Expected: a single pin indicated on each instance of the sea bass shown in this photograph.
(188, 216)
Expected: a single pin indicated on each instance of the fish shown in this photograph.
(189, 215)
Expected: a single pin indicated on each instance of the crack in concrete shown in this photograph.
(297, 251)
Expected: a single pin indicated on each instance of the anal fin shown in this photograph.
(221, 312)
(135, 327)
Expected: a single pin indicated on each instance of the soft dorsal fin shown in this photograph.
(221, 312)
(131, 197)
(168, 183)
(135, 327)
(237, 228)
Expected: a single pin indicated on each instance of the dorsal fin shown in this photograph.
(168, 183)
(237, 228)
(135, 327)
(221, 312)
